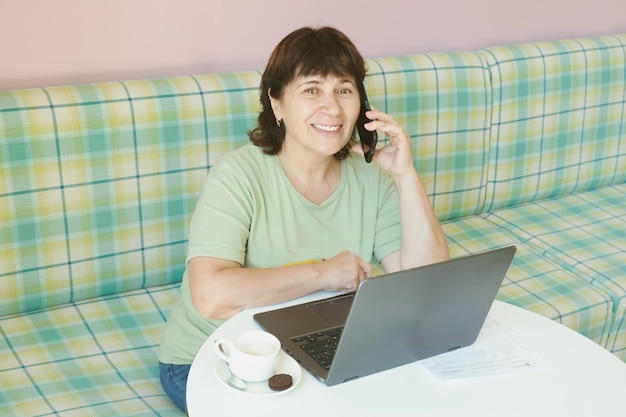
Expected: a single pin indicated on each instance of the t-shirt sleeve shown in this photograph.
(221, 220)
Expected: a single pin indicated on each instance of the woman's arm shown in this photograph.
(221, 288)
(423, 240)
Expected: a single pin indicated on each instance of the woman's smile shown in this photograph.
(327, 128)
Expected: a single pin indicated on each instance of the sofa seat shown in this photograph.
(534, 282)
(584, 234)
(89, 358)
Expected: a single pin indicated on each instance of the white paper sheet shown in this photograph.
(497, 352)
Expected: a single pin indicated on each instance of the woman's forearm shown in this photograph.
(423, 240)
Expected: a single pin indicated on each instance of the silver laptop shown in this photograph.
(393, 319)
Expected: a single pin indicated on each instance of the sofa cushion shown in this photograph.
(536, 283)
(583, 233)
(558, 118)
(443, 101)
(93, 357)
(98, 181)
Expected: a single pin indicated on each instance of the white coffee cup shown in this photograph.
(252, 355)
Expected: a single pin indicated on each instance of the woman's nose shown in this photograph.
(331, 104)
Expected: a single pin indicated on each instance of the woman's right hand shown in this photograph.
(344, 272)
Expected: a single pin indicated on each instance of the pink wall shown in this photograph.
(75, 41)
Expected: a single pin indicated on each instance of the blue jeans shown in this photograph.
(174, 381)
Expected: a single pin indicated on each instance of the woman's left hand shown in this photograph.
(396, 156)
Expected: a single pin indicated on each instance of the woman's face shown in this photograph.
(319, 113)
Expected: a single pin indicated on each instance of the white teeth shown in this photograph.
(326, 128)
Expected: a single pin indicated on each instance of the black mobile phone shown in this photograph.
(368, 138)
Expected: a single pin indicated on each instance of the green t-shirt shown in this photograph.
(250, 213)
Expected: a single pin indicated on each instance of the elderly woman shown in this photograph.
(300, 193)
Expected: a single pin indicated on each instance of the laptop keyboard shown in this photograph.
(321, 346)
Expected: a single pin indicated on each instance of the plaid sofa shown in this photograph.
(520, 144)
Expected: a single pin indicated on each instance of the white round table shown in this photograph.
(580, 379)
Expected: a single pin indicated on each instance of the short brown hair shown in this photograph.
(306, 51)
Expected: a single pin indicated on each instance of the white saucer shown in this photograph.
(286, 365)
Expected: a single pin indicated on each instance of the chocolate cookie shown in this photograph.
(280, 382)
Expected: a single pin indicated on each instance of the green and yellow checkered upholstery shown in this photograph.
(558, 119)
(99, 180)
(443, 101)
(521, 144)
(97, 186)
(558, 160)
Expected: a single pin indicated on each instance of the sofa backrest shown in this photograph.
(559, 118)
(443, 102)
(98, 181)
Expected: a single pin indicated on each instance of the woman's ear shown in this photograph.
(276, 107)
